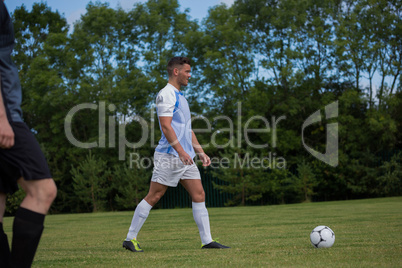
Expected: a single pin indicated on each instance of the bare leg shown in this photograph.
(194, 189)
(39, 194)
(155, 193)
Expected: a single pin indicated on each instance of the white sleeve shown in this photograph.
(165, 103)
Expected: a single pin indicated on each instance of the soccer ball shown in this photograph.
(322, 237)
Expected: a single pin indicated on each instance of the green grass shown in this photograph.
(368, 234)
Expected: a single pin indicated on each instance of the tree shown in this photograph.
(391, 180)
(32, 30)
(41, 38)
(162, 29)
(249, 176)
(351, 42)
(91, 182)
(130, 184)
(307, 179)
(267, 65)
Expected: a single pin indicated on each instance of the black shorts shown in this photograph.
(25, 159)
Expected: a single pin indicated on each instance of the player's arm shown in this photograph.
(199, 151)
(6, 132)
(168, 131)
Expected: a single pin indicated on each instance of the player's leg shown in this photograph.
(8, 186)
(4, 247)
(40, 194)
(200, 212)
(194, 189)
(156, 191)
(27, 157)
(29, 219)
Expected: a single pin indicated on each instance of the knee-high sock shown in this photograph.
(201, 217)
(4, 248)
(140, 215)
(27, 231)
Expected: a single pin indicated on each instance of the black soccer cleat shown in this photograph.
(214, 244)
(132, 245)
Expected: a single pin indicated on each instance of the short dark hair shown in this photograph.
(174, 62)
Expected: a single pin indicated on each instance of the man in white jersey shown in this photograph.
(173, 158)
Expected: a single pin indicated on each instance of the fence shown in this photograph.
(177, 197)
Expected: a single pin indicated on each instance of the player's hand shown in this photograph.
(6, 134)
(186, 158)
(206, 161)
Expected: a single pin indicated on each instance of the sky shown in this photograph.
(73, 9)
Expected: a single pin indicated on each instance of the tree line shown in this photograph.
(261, 59)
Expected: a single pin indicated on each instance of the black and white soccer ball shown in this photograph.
(322, 237)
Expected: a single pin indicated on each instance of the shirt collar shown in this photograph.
(175, 89)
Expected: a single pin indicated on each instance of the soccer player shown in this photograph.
(21, 161)
(173, 158)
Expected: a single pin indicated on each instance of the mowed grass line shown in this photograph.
(368, 234)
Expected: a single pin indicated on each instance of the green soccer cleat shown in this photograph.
(214, 244)
(132, 245)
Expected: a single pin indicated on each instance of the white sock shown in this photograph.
(201, 218)
(140, 215)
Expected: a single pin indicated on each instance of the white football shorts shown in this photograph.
(169, 170)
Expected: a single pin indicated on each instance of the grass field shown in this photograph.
(368, 234)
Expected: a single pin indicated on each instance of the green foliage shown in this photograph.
(278, 60)
(13, 202)
(391, 180)
(91, 181)
(307, 179)
(283, 186)
(249, 177)
(130, 185)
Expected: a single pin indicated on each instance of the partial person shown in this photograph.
(21, 162)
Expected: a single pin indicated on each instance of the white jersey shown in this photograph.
(170, 102)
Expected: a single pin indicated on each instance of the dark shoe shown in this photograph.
(214, 244)
(132, 245)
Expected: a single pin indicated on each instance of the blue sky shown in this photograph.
(73, 9)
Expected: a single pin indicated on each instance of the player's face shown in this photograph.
(184, 74)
